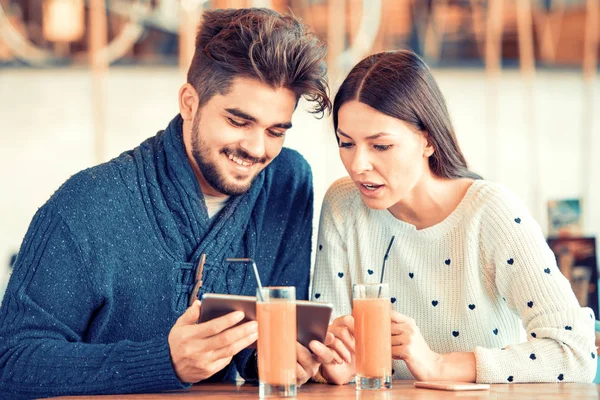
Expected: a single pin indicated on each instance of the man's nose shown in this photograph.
(254, 143)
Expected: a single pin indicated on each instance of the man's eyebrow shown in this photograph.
(241, 114)
(283, 125)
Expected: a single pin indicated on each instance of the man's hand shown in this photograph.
(199, 351)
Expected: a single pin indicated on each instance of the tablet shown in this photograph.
(312, 318)
(452, 385)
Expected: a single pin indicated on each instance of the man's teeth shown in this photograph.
(240, 162)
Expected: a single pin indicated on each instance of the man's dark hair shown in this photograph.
(258, 44)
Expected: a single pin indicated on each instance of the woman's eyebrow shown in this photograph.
(375, 136)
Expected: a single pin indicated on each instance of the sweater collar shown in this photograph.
(220, 237)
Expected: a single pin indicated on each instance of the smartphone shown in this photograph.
(452, 385)
(312, 318)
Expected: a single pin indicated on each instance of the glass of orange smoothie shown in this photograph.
(276, 316)
(371, 309)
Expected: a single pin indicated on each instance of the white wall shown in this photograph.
(46, 135)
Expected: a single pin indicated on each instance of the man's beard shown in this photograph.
(210, 172)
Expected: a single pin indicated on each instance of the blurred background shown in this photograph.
(83, 80)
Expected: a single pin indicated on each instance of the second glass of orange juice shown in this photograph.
(371, 308)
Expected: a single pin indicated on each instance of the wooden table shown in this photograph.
(400, 390)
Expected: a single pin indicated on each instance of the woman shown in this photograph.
(469, 268)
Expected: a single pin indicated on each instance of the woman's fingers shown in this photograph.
(344, 334)
(324, 354)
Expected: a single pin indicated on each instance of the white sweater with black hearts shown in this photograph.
(483, 281)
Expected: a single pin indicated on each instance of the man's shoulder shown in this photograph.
(290, 167)
(96, 188)
(290, 160)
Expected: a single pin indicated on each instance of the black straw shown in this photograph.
(249, 260)
(385, 258)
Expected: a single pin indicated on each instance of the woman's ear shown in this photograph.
(188, 102)
(429, 149)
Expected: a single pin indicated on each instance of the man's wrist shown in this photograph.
(251, 368)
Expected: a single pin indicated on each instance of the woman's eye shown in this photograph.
(382, 147)
(345, 145)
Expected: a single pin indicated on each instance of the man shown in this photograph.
(98, 300)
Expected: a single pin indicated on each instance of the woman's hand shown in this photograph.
(308, 364)
(340, 368)
(409, 345)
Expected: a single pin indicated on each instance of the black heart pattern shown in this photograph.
(411, 275)
(568, 328)
(341, 274)
(434, 303)
(320, 247)
(561, 377)
(471, 306)
(455, 333)
(448, 262)
(547, 270)
(393, 300)
(593, 355)
(530, 304)
(317, 295)
(533, 335)
(510, 378)
(532, 356)
(370, 271)
(510, 261)
(518, 220)
(495, 331)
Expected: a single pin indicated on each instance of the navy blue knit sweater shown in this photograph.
(106, 266)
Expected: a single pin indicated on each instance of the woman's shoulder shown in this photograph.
(342, 194)
(497, 205)
(494, 195)
(343, 205)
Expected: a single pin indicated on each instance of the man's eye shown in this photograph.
(276, 134)
(236, 123)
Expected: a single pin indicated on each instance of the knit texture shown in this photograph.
(107, 264)
(483, 281)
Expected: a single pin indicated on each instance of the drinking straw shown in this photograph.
(385, 258)
(249, 260)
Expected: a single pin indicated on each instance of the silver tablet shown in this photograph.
(312, 318)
